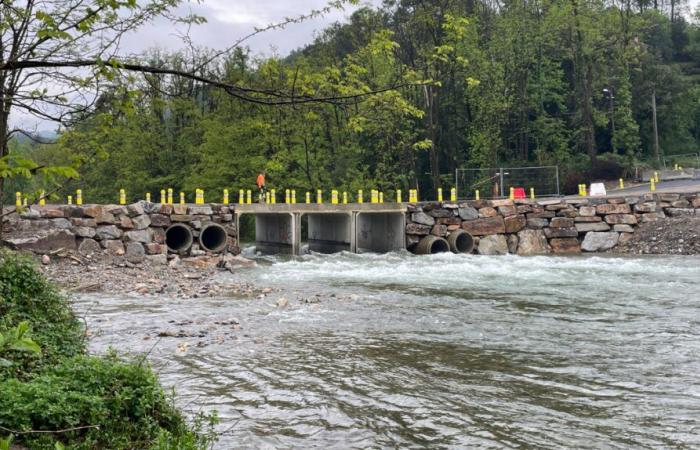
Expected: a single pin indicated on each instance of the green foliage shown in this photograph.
(121, 399)
(16, 340)
(26, 297)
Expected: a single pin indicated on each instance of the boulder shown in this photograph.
(513, 243)
(199, 210)
(155, 248)
(648, 207)
(501, 202)
(78, 222)
(587, 211)
(60, 224)
(669, 197)
(86, 232)
(113, 247)
(650, 217)
(560, 232)
(135, 209)
(161, 220)
(616, 201)
(506, 211)
(515, 223)
(106, 218)
(126, 222)
(537, 222)
(595, 241)
(625, 237)
(440, 212)
(494, 244)
(46, 241)
(93, 211)
(588, 219)
(89, 247)
(523, 209)
(682, 203)
(143, 236)
(562, 222)
(52, 213)
(541, 215)
(108, 232)
(468, 213)
(158, 235)
(566, 245)
(439, 230)
(417, 229)
(570, 213)
(672, 212)
(532, 242)
(593, 226)
(134, 252)
(609, 208)
(623, 228)
(696, 202)
(630, 219)
(141, 222)
(488, 212)
(556, 207)
(422, 218)
(485, 226)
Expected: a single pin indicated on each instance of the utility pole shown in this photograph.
(657, 153)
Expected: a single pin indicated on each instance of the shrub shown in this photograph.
(26, 295)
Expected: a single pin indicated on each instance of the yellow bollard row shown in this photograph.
(148, 197)
(360, 198)
(439, 195)
(582, 191)
(345, 198)
(656, 177)
(273, 196)
(122, 197)
(267, 197)
(182, 198)
(163, 200)
(334, 197)
(398, 196)
(249, 197)
(170, 196)
(453, 194)
(18, 199)
(287, 197)
(70, 199)
(241, 196)
(78, 197)
(374, 196)
(308, 197)
(413, 195)
(225, 199)
(381, 197)
(294, 197)
(476, 195)
(319, 196)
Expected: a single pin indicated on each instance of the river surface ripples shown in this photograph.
(442, 351)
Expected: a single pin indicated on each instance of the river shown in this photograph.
(441, 351)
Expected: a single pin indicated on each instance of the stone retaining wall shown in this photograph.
(528, 227)
(133, 232)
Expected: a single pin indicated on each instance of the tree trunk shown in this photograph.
(432, 130)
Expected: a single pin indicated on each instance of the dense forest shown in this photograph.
(479, 83)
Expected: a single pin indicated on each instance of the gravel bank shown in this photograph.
(670, 236)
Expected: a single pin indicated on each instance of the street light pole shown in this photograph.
(611, 95)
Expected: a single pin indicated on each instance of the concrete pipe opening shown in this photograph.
(432, 244)
(213, 238)
(460, 242)
(178, 238)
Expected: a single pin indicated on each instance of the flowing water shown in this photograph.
(443, 351)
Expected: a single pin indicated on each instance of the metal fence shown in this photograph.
(495, 182)
(683, 160)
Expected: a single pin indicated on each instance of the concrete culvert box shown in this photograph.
(213, 238)
(178, 238)
(460, 242)
(432, 244)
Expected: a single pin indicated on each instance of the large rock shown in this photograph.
(440, 212)
(86, 232)
(485, 226)
(422, 218)
(495, 244)
(61, 224)
(537, 222)
(672, 212)
(623, 228)
(592, 226)
(562, 222)
(108, 232)
(608, 208)
(629, 219)
(417, 229)
(93, 211)
(135, 252)
(141, 222)
(161, 220)
(106, 218)
(513, 243)
(588, 219)
(566, 245)
(468, 213)
(114, 247)
(506, 211)
(89, 247)
(514, 224)
(439, 230)
(135, 209)
(143, 236)
(560, 232)
(488, 212)
(199, 210)
(596, 241)
(46, 241)
(532, 242)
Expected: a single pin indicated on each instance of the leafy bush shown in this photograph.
(123, 399)
(26, 296)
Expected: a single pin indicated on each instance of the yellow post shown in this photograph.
(122, 197)
(622, 183)
(241, 196)
(42, 198)
(652, 186)
(360, 199)
(24, 202)
(319, 196)
(201, 196)
(512, 193)
(381, 197)
(476, 196)
(675, 167)
(580, 190)
(334, 197)
(170, 196)
(182, 198)
(287, 196)
(70, 199)
(439, 194)
(374, 198)
(162, 196)
(148, 197)
(308, 197)
(79, 197)
(273, 196)
(680, 167)
(225, 196)
(267, 197)
(656, 177)
(249, 197)
(294, 197)
(18, 199)
(398, 196)
(532, 193)
(584, 190)
(415, 195)
(345, 198)
(453, 194)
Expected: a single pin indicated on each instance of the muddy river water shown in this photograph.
(443, 351)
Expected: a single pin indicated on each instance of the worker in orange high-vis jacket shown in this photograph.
(261, 186)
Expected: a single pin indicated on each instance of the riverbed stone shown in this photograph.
(134, 252)
(565, 245)
(625, 237)
(60, 224)
(532, 242)
(501, 202)
(513, 224)
(598, 241)
(650, 217)
(666, 197)
(468, 213)
(89, 247)
(181, 218)
(52, 213)
(629, 219)
(422, 218)
(485, 226)
(568, 213)
(593, 226)
(495, 244)
(541, 215)
(108, 232)
(80, 222)
(609, 208)
(153, 248)
(46, 241)
(135, 209)
(696, 202)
